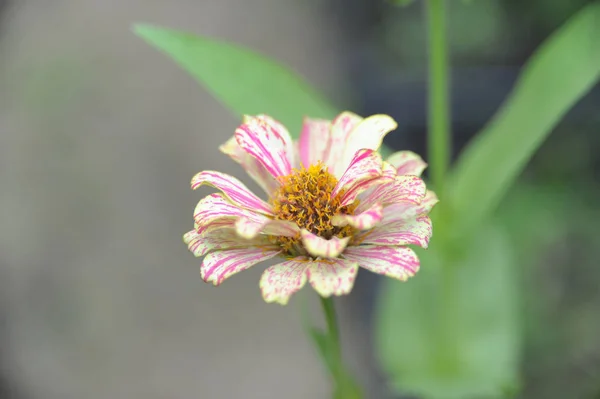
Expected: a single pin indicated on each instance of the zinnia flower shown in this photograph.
(333, 205)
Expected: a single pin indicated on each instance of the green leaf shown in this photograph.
(452, 331)
(243, 80)
(561, 72)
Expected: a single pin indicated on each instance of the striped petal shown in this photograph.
(255, 170)
(341, 127)
(416, 231)
(369, 134)
(407, 163)
(218, 266)
(407, 210)
(313, 141)
(320, 247)
(332, 276)
(402, 189)
(233, 189)
(200, 245)
(250, 228)
(365, 165)
(387, 176)
(397, 262)
(268, 142)
(363, 221)
(279, 282)
(215, 211)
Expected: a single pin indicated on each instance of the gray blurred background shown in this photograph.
(100, 135)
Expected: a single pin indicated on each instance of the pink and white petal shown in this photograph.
(234, 190)
(363, 221)
(279, 282)
(332, 276)
(254, 169)
(279, 127)
(313, 141)
(215, 206)
(415, 231)
(283, 228)
(214, 210)
(218, 266)
(397, 262)
(268, 142)
(365, 165)
(201, 244)
(250, 228)
(369, 134)
(321, 247)
(388, 175)
(341, 127)
(407, 163)
(407, 210)
(401, 189)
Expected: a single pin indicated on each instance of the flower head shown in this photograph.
(333, 205)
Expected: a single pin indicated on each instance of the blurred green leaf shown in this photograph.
(452, 331)
(243, 80)
(561, 71)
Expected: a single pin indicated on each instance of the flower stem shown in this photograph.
(438, 140)
(439, 150)
(345, 387)
(331, 320)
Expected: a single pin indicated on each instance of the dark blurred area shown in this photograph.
(100, 136)
(490, 41)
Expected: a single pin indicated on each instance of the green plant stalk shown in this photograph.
(345, 386)
(438, 139)
(439, 150)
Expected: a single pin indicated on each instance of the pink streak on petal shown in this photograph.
(388, 175)
(218, 266)
(416, 231)
(332, 276)
(363, 221)
(313, 140)
(268, 142)
(233, 189)
(369, 134)
(407, 163)
(402, 189)
(214, 210)
(341, 127)
(250, 228)
(320, 247)
(254, 169)
(397, 262)
(365, 165)
(200, 245)
(279, 282)
(408, 210)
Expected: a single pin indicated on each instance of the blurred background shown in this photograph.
(100, 135)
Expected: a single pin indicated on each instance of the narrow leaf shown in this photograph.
(243, 80)
(561, 72)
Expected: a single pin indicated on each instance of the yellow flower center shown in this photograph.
(305, 199)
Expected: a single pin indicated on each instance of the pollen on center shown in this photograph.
(305, 199)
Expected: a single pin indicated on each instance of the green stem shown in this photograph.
(345, 387)
(439, 150)
(438, 99)
(331, 320)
